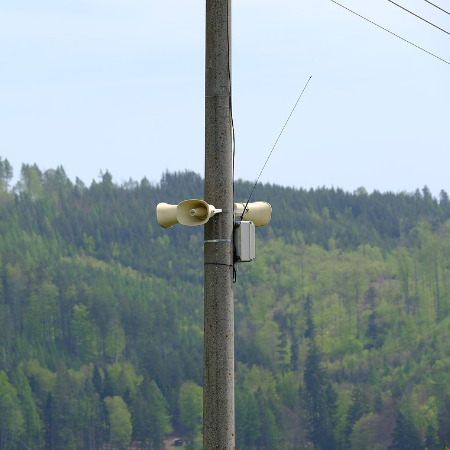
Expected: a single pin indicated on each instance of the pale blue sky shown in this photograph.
(119, 85)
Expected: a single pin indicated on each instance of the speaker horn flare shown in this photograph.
(166, 215)
(195, 212)
(259, 213)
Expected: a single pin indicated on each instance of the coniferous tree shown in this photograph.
(309, 333)
(11, 418)
(157, 420)
(444, 422)
(6, 173)
(32, 436)
(65, 412)
(372, 332)
(405, 435)
(240, 418)
(294, 354)
(270, 432)
(358, 408)
(320, 400)
(431, 439)
(90, 277)
(49, 423)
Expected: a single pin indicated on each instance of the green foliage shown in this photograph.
(191, 410)
(364, 433)
(248, 419)
(11, 417)
(120, 427)
(358, 408)
(83, 333)
(151, 416)
(348, 291)
(320, 397)
(431, 439)
(405, 436)
(32, 424)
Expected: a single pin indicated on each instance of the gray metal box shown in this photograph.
(244, 241)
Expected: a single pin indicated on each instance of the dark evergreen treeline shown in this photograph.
(351, 219)
(342, 322)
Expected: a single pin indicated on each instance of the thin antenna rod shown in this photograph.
(274, 145)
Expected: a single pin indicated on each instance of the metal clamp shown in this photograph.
(217, 240)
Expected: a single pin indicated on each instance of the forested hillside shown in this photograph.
(342, 321)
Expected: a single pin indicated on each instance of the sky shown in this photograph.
(118, 85)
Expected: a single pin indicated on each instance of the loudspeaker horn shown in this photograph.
(166, 215)
(257, 212)
(195, 212)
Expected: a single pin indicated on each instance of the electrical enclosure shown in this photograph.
(244, 241)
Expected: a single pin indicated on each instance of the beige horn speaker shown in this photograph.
(195, 212)
(166, 215)
(257, 212)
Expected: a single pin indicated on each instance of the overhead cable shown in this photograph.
(396, 35)
(438, 7)
(414, 14)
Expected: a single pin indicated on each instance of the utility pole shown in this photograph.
(224, 243)
(218, 369)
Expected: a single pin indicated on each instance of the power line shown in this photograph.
(438, 7)
(414, 14)
(274, 145)
(396, 35)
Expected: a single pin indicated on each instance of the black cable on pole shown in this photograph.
(438, 7)
(230, 105)
(396, 35)
(276, 142)
(421, 18)
(230, 100)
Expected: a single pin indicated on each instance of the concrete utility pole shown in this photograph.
(218, 370)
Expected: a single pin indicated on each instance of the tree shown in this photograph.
(319, 401)
(30, 181)
(115, 341)
(150, 415)
(120, 427)
(32, 436)
(191, 410)
(358, 408)
(405, 435)
(11, 417)
(431, 439)
(49, 422)
(84, 333)
(445, 201)
(248, 419)
(372, 332)
(6, 173)
(64, 410)
(309, 333)
(444, 421)
(90, 414)
(363, 436)
(270, 433)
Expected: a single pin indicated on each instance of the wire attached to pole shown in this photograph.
(274, 145)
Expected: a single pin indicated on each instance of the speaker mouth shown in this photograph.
(201, 212)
